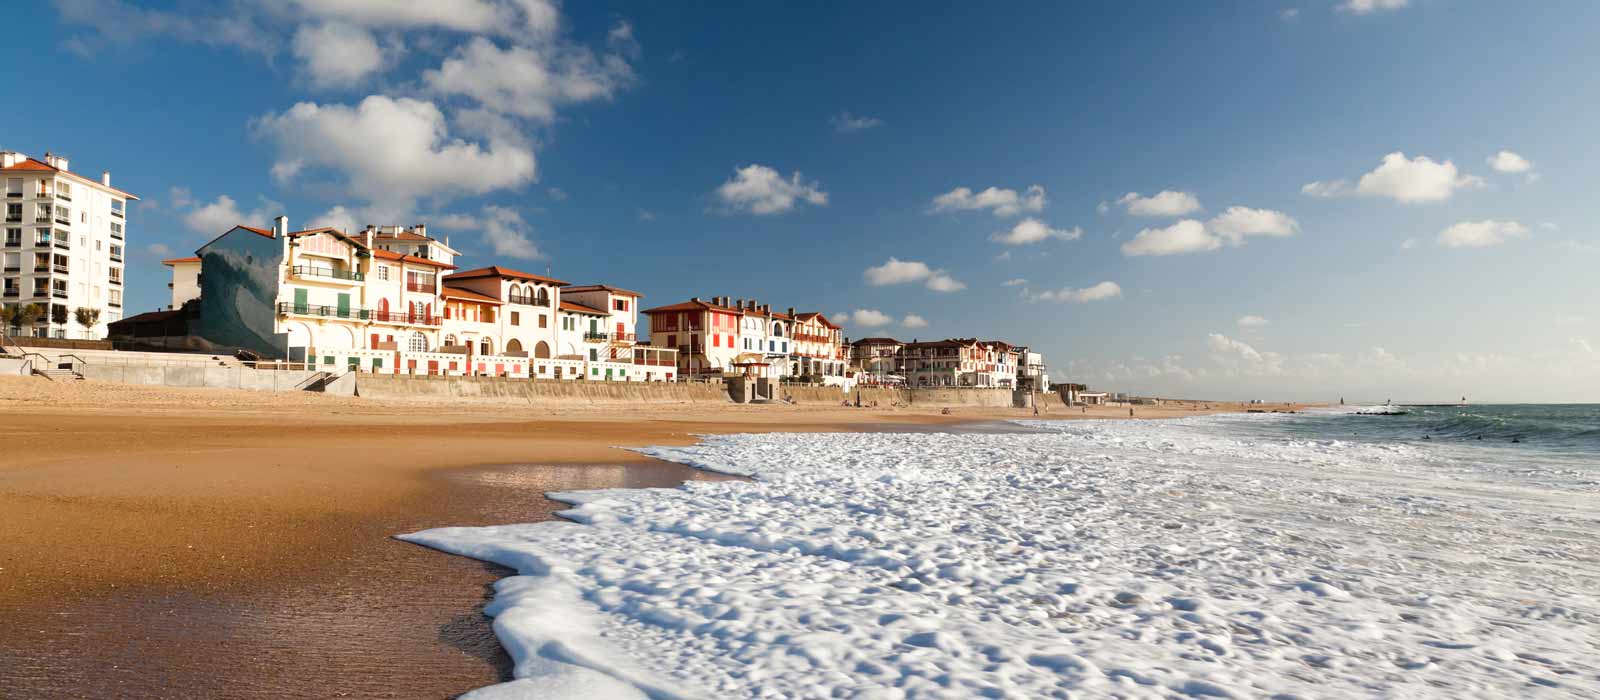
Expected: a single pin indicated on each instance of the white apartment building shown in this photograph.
(63, 246)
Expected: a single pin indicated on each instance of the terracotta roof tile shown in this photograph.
(503, 272)
(179, 261)
(391, 255)
(598, 287)
(35, 165)
(575, 307)
(459, 293)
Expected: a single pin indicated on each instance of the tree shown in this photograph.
(87, 318)
(58, 314)
(8, 317)
(27, 316)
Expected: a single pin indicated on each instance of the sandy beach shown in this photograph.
(143, 527)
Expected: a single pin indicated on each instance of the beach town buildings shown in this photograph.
(953, 362)
(390, 299)
(726, 336)
(64, 245)
(878, 361)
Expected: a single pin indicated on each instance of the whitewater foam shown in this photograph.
(1127, 558)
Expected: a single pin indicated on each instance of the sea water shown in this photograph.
(1264, 555)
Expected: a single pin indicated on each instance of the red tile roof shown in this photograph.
(575, 307)
(504, 273)
(33, 165)
(598, 287)
(179, 261)
(877, 341)
(459, 293)
(807, 316)
(391, 255)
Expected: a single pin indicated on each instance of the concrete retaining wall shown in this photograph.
(833, 396)
(390, 386)
(197, 376)
(10, 366)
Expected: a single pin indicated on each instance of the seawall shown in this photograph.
(410, 387)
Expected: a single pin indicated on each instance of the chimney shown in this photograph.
(366, 238)
(55, 161)
(422, 230)
(694, 298)
(280, 226)
(105, 178)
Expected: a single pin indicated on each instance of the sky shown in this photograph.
(1368, 199)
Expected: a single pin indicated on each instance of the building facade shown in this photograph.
(878, 361)
(65, 237)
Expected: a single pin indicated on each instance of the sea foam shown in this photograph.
(1103, 559)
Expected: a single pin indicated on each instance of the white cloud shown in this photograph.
(528, 18)
(528, 81)
(1236, 223)
(897, 271)
(158, 250)
(1032, 231)
(1103, 207)
(1252, 321)
(1163, 203)
(508, 235)
(1241, 357)
(1326, 188)
(867, 318)
(914, 321)
(391, 151)
(1362, 7)
(845, 122)
(1409, 244)
(1289, 14)
(1508, 162)
(1479, 234)
(761, 190)
(338, 55)
(219, 216)
(941, 282)
(1003, 202)
(1098, 292)
(338, 217)
(1186, 236)
(1413, 180)
(1018, 282)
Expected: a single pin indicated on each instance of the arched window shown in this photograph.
(777, 329)
(543, 297)
(418, 343)
(485, 347)
(542, 350)
(514, 346)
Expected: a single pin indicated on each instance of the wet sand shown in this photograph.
(192, 543)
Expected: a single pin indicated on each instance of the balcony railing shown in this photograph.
(596, 337)
(327, 311)
(59, 293)
(11, 292)
(116, 234)
(809, 338)
(63, 243)
(623, 338)
(421, 287)
(42, 219)
(60, 268)
(63, 196)
(654, 362)
(115, 281)
(116, 213)
(116, 258)
(41, 267)
(13, 219)
(13, 242)
(527, 300)
(63, 219)
(313, 271)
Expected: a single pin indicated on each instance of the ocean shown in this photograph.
(1324, 554)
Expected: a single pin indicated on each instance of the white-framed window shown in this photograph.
(116, 229)
(114, 297)
(417, 343)
(13, 187)
(383, 272)
(64, 190)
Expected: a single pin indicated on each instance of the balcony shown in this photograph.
(594, 337)
(41, 267)
(115, 281)
(58, 267)
(11, 293)
(13, 268)
(623, 338)
(59, 293)
(64, 220)
(45, 219)
(527, 300)
(63, 196)
(13, 219)
(116, 213)
(116, 258)
(406, 317)
(655, 362)
(325, 311)
(423, 287)
(63, 243)
(114, 304)
(327, 272)
(116, 234)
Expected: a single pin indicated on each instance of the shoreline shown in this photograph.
(119, 500)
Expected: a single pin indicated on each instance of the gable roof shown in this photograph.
(577, 308)
(35, 165)
(391, 255)
(449, 292)
(599, 287)
(503, 273)
(816, 315)
(693, 305)
(877, 341)
(236, 227)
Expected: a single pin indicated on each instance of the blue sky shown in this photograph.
(788, 152)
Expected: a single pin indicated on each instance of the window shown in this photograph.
(13, 237)
(63, 215)
(116, 274)
(383, 271)
(417, 343)
(117, 206)
(14, 189)
(13, 212)
(619, 304)
(116, 230)
(544, 321)
(516, 318)
(116, 253)
(594, 355)
(64, 191)
(41, 213)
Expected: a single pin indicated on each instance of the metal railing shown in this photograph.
(421, 287)
(596, 336)
(357, 314)
(313, 271)
(527, 300)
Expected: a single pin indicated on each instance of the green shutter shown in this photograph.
(299, 301)
(344, 306)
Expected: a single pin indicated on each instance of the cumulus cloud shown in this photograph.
(391, 151)
(339, 217)
(866, 318)
(1326, 188)
(1098, 292)
(528, 81)
(1242, 357)
(1003, 202)
(1364, 7)
(1414, 180)
(897, 271)
(1033, 231)
(1017, 282)
(1236, 223)
(914, 321)
(1480, 234)
(220, 215)
(1252, 321)
(508, 235)
(761, 190)
(1186, 236)
(1164, 203)
(845, 122)
(1508, 162)
(338, 55)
